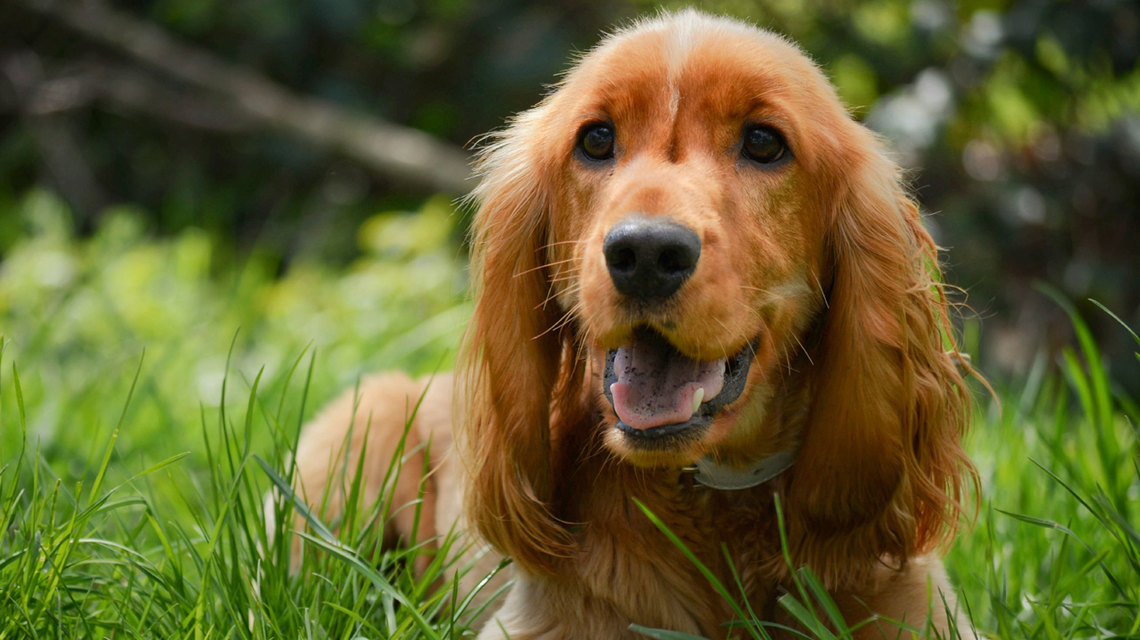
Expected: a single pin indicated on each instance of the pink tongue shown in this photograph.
(656, 383)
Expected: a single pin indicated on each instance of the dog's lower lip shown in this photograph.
(665, 435)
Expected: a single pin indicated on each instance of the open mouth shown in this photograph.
(659, 393)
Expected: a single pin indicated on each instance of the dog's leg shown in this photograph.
(919, 596)
(371, 421)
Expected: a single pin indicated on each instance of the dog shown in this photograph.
(702, 293)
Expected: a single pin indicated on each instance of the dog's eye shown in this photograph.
(763, 144)
(597, 141)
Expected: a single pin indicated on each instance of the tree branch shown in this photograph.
(58, 142)
(401, 152)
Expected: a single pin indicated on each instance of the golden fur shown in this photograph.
(819, 263)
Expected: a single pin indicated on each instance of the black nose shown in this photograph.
(650, 258)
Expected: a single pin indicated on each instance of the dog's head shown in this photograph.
(692, 238)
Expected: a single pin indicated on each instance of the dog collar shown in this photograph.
(714, 475)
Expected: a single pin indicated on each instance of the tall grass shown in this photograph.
(100, 559)
(133, 476)
(1056, 552)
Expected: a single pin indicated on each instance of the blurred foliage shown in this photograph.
(1020, 121)
(453, 68)
(86, 309)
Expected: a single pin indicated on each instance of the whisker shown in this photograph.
(566, 319)
(804, 349)
(551, 294)
(787, 358)
(568, 276)
(724, 332)
(562, 242)
(558, 262)
(542, 266)
(822, 293)
(580, 348)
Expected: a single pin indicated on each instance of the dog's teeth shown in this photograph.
(697, 398)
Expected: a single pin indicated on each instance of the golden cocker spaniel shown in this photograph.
(701, 291)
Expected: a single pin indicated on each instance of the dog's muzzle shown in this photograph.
(658, 393)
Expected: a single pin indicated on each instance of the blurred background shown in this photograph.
(267, 135)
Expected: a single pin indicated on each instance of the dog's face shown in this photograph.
(687, 230)
(692, 237)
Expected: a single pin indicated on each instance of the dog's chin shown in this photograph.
(662, 414)
(666, 446)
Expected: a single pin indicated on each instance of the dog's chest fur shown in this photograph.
(626, 563)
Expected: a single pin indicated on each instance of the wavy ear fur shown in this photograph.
(511, 356)
(881, 469)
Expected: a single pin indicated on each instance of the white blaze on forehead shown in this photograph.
(674, 102)
(680, 39)
(684, 32)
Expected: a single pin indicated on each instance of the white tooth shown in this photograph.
(697, 397)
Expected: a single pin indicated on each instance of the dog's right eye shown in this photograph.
(597, 141)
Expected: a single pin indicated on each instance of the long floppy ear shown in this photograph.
(511, 355)
(881, 469)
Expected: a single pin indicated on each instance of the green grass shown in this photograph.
(150, 389)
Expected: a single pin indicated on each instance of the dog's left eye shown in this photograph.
(597, 141)
(763, 144)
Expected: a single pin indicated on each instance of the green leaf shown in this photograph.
(663, 634)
